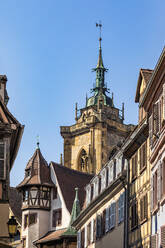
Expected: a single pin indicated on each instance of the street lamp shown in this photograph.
(12, 226)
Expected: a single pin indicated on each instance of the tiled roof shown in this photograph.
(146, 75)
(15, 202)
(50, 236)
(68, 180)
(39, 171)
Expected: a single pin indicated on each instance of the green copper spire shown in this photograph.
(100, 88)
(75, 212)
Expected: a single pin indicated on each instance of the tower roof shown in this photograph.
(37, 171)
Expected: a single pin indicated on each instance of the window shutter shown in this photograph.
(119, 209)
(122, 206)
(79, 239)
(150, 131)
(110, 216)
(163, 236)
(2, 161)
(159, 181)
(113, 215)
(107, 220)
(151, 193)
(97, 228)
(92, 231)
(153, 241)
(146, 206)
(85, 236)
(163, 111)
(100, 226)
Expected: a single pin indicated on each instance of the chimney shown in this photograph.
(3, 92)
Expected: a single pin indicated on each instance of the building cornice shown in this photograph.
(101, 199)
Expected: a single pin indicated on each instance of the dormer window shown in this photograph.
(28, 173)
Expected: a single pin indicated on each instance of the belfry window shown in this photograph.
(83, 161)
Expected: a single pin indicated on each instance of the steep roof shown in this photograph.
(68, 180)
(9, 123)
(15, 202)
(143, 74)
(39, 171)
(51, 236)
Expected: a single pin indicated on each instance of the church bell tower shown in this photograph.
(99, 127)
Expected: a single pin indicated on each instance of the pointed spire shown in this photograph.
(38, 143)
(75, 212)
(100, 59)
(75, 208)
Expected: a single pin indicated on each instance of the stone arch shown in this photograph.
(83, 161)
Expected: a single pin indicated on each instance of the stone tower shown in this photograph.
(99, 127)
(36, 191)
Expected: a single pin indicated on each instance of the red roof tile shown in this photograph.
(50, 236)
(39, 171)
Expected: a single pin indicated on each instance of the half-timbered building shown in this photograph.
(48, 193)
(10, 137)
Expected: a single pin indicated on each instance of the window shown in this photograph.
(57, 217)
(25, 220)
(2, 161)
(143, 208)
(83, 161)
(55, 193)
(114, 170)
(134, 216)
(91, 192)
(134, 167)
(99, 184)
(32, 218)
(143, 157)
(107, 176)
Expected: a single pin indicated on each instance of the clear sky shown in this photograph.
(47, 51)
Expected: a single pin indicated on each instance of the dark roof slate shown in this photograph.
(68, 180)
(15, 202)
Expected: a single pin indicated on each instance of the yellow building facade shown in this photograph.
(139, 174)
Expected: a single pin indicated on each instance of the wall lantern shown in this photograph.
(12, 226)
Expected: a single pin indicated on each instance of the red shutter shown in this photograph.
(163, 236)
(153, 241)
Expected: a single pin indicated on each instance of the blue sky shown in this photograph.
(47, 51)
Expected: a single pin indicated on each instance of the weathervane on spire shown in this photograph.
(99, 25)
(38, 143)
